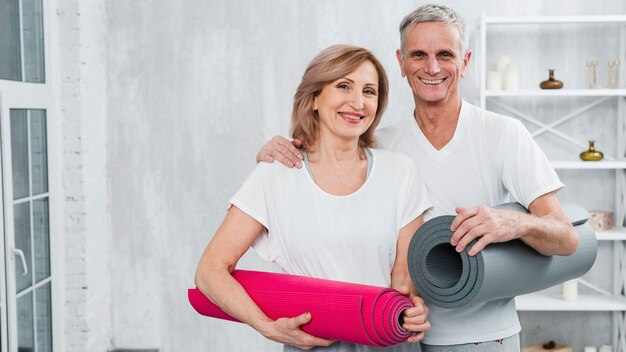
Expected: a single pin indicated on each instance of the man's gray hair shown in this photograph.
(435, 13)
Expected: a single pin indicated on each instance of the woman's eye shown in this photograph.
(343, 86)
(369, 91)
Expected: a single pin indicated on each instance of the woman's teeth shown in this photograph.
(350, 117)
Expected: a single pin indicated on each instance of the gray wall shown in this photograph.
(194, 89)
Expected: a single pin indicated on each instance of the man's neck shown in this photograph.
(438, 120)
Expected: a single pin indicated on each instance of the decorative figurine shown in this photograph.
(613, 77)
(591, 154)
(551, 83)
(591, 74)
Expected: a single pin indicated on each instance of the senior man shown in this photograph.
(470, 160)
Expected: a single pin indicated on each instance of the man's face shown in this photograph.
(432, 61)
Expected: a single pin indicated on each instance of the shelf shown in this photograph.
(557, 93)
(587, 165)
(614, 234)
(554, 302)
(556, 19)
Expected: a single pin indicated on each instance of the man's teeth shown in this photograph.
(432, 81)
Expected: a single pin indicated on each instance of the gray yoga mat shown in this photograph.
(451, 280)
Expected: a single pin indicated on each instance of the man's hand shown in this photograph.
(416, 318)
(279, 148)
(486, 225)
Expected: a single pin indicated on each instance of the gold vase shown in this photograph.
(591, 154)
(551, 83)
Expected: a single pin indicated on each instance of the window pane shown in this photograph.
(39, 153)
(44, 318)
(25, 323)
(10, 64)
(32, 24)
(22, 242)
(19, 152)
(41, 234)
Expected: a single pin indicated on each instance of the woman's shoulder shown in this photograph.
(275, 170)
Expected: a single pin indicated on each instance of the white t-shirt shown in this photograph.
(491, 159)
(348, 238)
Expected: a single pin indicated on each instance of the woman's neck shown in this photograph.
(330, 151)
(337, 167)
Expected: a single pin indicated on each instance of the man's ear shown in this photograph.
(466, 61)
(400, 62)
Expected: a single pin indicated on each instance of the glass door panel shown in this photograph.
(43, 304)
(21, 250)
(19, 153)
(25, 332)
(41, 234)
(31, 230)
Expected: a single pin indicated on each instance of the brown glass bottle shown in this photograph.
(551, 83)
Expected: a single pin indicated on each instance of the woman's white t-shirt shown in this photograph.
(348, 238)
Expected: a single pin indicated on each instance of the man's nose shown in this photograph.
(432, 66)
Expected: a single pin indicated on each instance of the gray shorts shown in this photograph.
(341, 346)
(509, 344)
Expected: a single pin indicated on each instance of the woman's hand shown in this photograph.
(279, 148)
(416, 318)
(287, 331)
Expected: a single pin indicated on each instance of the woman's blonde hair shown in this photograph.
(329, 65)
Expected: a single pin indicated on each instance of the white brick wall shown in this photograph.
(82, 104)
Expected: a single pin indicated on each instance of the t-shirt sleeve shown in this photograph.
(251, 199)
(415, 199)
(526, 172)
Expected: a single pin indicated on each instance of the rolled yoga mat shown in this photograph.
(362, 314)
(501, 270)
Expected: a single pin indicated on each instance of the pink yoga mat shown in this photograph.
(362, 314)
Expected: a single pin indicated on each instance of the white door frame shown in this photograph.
(30, 100)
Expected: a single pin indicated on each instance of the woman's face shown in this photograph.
(347, 106)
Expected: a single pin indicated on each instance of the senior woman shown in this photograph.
(349, 215)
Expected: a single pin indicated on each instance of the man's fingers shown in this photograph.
(296, 142)
(416, 338)
(462, 215)
(480, 244)
(463, 228)
(425, 326)
(289, 157)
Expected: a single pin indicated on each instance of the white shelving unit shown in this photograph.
(601, 300)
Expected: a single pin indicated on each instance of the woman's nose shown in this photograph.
(357, 101)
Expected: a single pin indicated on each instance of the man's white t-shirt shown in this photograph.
(348, 238)
(491, 159)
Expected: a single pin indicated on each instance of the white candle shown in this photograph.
(590, 349)
(606, 348)
(511, 77)
(570, 290)
(501, 62)
(494, 80)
